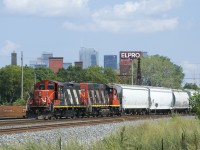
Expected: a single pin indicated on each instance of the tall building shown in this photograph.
(110, 61)
(45, 58)
(14, 58)
(89, 57)
(55, 63)
(42, 61)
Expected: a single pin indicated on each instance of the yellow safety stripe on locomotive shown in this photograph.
(69, 106)
(84, 106)
(114, 105)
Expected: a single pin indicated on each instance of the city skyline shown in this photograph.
(168, 28)
(40, 61)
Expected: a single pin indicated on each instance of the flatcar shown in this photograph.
(59, 99)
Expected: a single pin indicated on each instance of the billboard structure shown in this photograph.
(126, 60)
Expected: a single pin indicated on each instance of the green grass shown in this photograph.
(46, 146)
(176, 134)
(168, 135)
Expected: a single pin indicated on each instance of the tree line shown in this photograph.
(155, 71)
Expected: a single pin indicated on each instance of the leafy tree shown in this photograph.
(73, 73)
(111, 75)
(92, 74)
(20, 102)
(10, 83)
(195, 103)
(62, 74)
(96, 74)
(43, 73)
(28, 81)
(159, 71)
(191, 86)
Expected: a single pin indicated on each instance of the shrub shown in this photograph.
(195, 103)
(20, 102)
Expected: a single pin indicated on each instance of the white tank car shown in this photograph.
(181, 101)
(134, 99)
(161, 99)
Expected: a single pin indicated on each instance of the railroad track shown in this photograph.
(13, 122)
(38, 125)
(55, 126)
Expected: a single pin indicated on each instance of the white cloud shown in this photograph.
(147, 25)
(133, 16)
(8, 48)
(129, 16)
(136, 9)
(47, 7)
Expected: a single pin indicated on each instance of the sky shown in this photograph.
(169, 28)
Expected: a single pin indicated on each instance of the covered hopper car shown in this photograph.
(147, 99)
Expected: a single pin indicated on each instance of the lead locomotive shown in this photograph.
(68, 99)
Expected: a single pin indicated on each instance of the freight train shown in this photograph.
(53, 99)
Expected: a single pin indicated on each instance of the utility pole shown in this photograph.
(34, 77)
(139, 75)
(132, 72)
(22, 75)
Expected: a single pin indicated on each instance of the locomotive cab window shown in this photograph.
(39, 87)
(50, 87)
